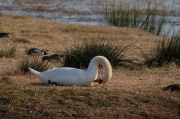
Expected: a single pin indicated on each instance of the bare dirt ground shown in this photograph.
(132, 93)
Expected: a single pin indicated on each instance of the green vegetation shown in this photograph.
(9, 52)
(167, 51)
(80, 56)
(34, 63)
(124, 16)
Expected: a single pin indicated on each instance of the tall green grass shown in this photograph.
(34, 63)
(167, 51)
(8, 52)
(123, 16)
(80, 56)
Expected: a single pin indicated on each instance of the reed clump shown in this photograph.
(34, 63)
(125, 16)
(167, 51)
(80, 56)
(8, 52)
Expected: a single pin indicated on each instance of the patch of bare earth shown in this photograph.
(131, 93)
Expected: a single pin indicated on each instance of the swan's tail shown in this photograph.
(40, 75)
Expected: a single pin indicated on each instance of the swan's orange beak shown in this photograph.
(27, 51)
(97, 80)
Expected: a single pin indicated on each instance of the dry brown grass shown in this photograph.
(132, 93)
(21, 39)
(42, 8)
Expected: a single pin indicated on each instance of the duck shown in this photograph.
(55, 58)
(36, 52)
(68, 76)
(4, 35)
(173, 87)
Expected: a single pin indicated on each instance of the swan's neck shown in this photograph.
(93, 67)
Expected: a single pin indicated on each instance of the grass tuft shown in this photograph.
(123, 16)
(167, 51)
(33, 63)
(9, 52)
(80, 56)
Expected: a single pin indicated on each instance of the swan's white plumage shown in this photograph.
(73, 76)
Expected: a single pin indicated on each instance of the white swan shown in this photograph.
(72, 76)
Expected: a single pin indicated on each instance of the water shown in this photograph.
(78, 11)
(89, 12)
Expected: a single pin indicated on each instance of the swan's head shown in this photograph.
(27, 51)
(98, 80)
(104, 78)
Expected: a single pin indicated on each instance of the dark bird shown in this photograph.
(4, 35)
(173, 87)
(55, 58)
(36, 52)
